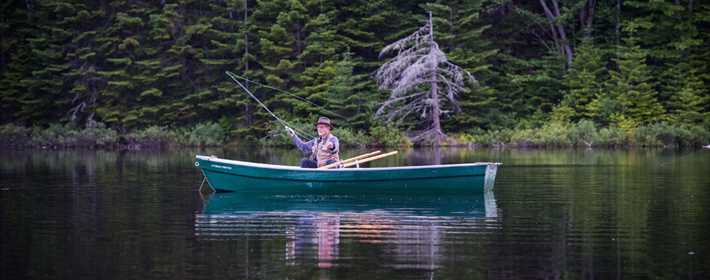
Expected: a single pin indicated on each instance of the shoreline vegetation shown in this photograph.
(556, 134)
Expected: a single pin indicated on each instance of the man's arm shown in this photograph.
(305, 147)
(334, 145)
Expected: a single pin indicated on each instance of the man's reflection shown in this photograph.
(409, 237)
(321, 229)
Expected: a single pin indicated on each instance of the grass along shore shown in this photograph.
(555, 134)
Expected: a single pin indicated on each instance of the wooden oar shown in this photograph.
(358, 162)
(335, 164)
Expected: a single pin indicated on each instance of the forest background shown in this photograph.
(549, 72)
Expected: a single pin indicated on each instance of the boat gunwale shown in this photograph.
(297, 168)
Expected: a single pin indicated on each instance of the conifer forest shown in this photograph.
(536, 72)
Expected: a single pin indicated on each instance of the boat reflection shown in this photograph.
(408, 230)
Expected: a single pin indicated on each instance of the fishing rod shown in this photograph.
(288, 126)
(292, 95)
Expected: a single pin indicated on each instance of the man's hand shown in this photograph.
(328, 146)
(290, 131)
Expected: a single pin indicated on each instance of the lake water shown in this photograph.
(552, 214)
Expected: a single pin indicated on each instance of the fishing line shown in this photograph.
(299, 132)
(292, 95)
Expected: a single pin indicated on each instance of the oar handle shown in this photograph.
(336, 164)
(358, 162)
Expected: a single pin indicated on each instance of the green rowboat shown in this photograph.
(420, 204)
(232, 175)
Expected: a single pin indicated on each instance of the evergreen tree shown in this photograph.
(668, 32)
(584, 80)
(534, 86)
(44, 97)
(120, 46)
(348, 97)
(364, 26)
(632, 87)
(82, 78)
(14, 59)
(688, 105)
(530, 67)
(461, 36)
(223, 39)
(281, 40)
(319, 62)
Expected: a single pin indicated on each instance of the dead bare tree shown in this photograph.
(586, 16)
(552, 13)
(422, 82)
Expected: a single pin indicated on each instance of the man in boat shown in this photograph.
(320, 151)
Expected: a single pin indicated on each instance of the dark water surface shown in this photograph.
(553, 214)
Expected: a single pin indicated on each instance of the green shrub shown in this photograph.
(13, 135)
(58, 135)
(348, 137)
(207, 134)
(55, 135)
(98, 134)
(524, 137)
(696, 136)
(487, 137)
(554, 134)
(151, 134)
(668, 135)
(388, 136)
(11, 130)
(464, 138)
(584, 133)
(498, 137)
(611, 136)
(654, 135)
